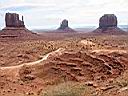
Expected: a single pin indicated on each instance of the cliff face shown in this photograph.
(15, 28)
(12, 20)
(108, 25)
(108, 20)
(64, 27)
(64, 24)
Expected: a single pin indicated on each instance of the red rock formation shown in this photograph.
(15, 28)
(108, 25)
(108, 20)
(12, 20)
(64, 27)
(64, 24)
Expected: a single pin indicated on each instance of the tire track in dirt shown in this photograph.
(45, 57)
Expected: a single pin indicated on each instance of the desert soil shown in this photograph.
(28, 66)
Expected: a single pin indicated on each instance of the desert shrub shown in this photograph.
(66, 89)
(122, 83)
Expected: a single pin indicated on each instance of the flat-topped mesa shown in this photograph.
(108, 25)
(108, 20)
(64, 27)
(15, 28)
(12, 20)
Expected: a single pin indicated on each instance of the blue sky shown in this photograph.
(49, 13)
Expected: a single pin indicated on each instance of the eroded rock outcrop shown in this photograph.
(15, 28)
(108, 24)
(108, 20)
(77, 66)
(64, 24)
(64, 27)
(12, 20)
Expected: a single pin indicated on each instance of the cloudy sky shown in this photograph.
(49, 13)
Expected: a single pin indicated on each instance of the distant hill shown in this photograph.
(42, 30)
(124, 27)
(86, 29)
(80, 29)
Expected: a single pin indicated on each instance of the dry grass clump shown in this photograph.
(123, 80)
(67, 89)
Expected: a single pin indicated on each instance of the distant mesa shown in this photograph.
(108, 24)
(108, 20)
(64, 27)
(15, 27)
(64, 24)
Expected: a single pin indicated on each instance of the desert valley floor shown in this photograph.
(62, 64)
